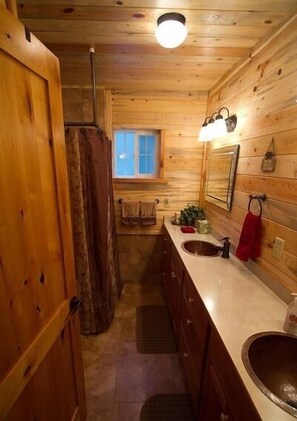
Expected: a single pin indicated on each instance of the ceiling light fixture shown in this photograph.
(217, 127)
(171, 30)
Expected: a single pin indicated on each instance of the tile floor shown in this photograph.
(119, 379)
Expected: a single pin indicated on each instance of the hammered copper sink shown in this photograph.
(270, 359)
(201, 248)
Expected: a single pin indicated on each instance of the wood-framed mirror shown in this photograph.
(221, 172)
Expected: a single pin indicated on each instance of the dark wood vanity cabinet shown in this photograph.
(214, 385)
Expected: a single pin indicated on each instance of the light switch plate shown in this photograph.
(278, 246)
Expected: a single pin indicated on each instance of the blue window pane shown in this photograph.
(151, 145)
(120, 143)
(120, 166)
(146, 165)
(142, 144)
(142, 165)
(151, 165)
(130, 171)
(130, 143)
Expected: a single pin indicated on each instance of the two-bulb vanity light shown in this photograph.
(218, 126)
(171, 30)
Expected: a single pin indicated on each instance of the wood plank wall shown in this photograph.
(140, 248)
(178, 115)
(77, 104)
(263, 94)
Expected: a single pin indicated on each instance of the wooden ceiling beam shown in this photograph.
(154, 50)
(147, 15)
(241, 5)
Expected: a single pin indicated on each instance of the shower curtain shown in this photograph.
(99, 285)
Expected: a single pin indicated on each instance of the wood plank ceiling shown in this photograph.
(128, 57)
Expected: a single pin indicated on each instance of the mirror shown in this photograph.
(221, 176)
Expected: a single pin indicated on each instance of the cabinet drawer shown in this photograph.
(197, 313)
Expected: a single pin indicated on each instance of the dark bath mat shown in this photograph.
(167, 408)
(154, 334)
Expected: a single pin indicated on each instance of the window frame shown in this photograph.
(142, 178)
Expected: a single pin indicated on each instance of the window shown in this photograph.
(136, 154)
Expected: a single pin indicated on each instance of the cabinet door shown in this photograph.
(176, 281)
(214, 406)
(223, 381)
(191, 361)
(166, 265)
(41, 374)
(195, 319)
(194, 328)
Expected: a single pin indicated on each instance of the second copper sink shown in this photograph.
(200, 248)
(270, 358)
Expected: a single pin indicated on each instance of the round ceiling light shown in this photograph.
(171, 30)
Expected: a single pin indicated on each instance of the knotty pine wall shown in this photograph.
(178, 114)
(263, 94)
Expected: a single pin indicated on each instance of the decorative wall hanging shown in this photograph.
(269, 161)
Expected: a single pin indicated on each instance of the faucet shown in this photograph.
(225, 248)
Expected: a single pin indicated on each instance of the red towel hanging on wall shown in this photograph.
(250, 238)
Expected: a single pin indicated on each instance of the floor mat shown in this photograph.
(154, 333)
(167, 408)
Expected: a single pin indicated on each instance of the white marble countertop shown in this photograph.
(239, 305)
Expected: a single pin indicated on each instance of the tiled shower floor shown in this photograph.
(119, 379)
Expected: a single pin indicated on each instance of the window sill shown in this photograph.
(140, 180)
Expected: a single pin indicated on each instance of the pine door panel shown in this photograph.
(41, 373)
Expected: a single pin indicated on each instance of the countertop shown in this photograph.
(239, 305)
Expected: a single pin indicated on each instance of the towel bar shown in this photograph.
(121, 200)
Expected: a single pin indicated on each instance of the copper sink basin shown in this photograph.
(270, 359)
(200, 248)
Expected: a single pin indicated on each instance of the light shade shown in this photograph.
(171, 30)
(219, 127)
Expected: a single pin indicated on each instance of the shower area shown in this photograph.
(89, 164)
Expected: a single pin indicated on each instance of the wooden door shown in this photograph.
(41, 376)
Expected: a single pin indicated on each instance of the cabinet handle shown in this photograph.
(173, 274)
(164, 252)
(186, 355)
(163, 273)
(189, 321)
(190, 300)
(224, 417)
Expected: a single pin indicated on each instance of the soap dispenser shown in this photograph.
(290, 324)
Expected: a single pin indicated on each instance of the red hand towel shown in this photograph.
(250, 238)
(188, 229)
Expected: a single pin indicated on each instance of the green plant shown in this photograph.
(190, 213)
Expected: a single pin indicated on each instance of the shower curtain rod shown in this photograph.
(93, 123)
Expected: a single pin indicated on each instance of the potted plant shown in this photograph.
(190, 214)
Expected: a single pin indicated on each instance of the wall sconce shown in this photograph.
(217, 127)
(171, 30)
